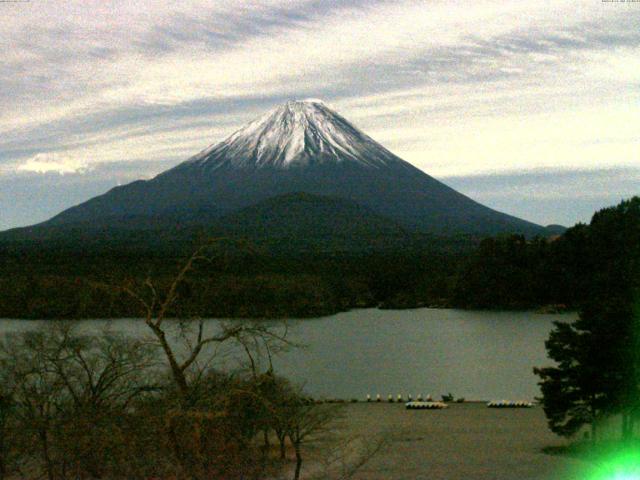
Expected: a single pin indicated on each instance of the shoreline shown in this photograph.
(534, 310)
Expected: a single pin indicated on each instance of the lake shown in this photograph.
(478, 355)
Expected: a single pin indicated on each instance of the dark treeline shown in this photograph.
(512, 272)
(67, 279)
(73, 282)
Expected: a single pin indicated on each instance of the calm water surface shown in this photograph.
(477, 355)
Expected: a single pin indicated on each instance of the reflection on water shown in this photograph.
(476, 355)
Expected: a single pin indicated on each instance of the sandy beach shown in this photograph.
(465, 441)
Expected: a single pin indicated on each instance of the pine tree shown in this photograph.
(598, 356)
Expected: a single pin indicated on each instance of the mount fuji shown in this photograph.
(301, 147)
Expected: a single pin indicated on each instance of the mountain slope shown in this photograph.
(293, 223)
(305, 222)
(299, 147)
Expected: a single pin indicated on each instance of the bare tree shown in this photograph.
(269, 388)
(102, 374)
(157, 307)
(6, 403)
(344, 457)
(305, 422)
(67, 392)
(38, 393)
(197, 422)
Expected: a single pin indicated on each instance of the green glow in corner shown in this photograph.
(622, 466)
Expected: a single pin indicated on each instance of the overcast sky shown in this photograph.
(531, 107)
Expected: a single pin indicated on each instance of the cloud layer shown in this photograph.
(52, 162)
(119, 90)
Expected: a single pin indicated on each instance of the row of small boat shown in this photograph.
(398, 399)
(425, 405)
(509, 404)
(440, 405)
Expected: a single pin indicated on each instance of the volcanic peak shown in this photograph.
(296, 133)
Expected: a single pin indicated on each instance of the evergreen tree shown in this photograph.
(598, 356)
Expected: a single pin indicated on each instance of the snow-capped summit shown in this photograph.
(296, 133)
